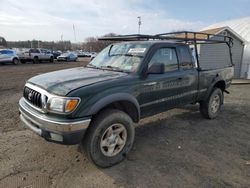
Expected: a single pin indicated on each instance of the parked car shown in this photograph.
(87, 54)
(93, 55)
(68, 56)
(56, 53)
(8, 56)
(81, 54)
(36, 55)
(98, 105)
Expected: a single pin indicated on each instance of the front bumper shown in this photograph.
(62, 58)
(6, 60)
(60, 130)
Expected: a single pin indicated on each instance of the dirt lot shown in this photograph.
(174, 149)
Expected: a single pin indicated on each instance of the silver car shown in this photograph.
(68, 56)
(8, 56)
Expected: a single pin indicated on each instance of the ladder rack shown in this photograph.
(181, 36)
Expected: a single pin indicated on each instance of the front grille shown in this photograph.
(33, 97)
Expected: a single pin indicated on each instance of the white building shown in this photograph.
(242, 28)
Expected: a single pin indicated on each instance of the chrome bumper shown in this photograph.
(40, 123)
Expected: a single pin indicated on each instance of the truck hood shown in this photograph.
(64, 81)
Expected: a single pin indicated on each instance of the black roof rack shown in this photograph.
(188, 37)
(181, 36)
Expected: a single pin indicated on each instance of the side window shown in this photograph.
(168, 57)
(42, 51)
(32, 51)
(3, 52)
(186, 61)
(9, 52)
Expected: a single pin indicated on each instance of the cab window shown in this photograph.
(168, 57)
(186, 61)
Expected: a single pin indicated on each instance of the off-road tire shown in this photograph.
(206, 107)
(92, 141)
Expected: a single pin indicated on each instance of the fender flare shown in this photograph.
(215, 81)
(115, 98)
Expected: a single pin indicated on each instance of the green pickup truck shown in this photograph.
(99, 105)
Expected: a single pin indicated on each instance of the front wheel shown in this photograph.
(15, 61)
(35, 60)
(211, 107)
(109, 138)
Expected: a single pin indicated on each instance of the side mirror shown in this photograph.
(156, 68)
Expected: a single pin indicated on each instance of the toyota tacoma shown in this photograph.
(142, 75)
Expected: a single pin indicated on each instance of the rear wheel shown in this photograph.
(15, 61)
(23, 61)
(36, 60)
(109, 138)
(51, 59)
(211, 107)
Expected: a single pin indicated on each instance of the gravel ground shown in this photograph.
(178, 148)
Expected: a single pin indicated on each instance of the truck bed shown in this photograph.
(208, 77)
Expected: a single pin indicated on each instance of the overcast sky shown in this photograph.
(49, 19)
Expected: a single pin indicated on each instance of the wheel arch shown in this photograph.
(15, 58)
(121, 101)
(218, 83)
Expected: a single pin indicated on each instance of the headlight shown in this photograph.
(63, 105)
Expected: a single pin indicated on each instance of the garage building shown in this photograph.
(239, 29)
(216, 55)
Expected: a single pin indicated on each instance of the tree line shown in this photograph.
(91, 44)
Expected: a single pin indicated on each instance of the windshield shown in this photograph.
(124, 57)
(65, 54)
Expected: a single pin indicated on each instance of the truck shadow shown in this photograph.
(178, 148)
(181, 148)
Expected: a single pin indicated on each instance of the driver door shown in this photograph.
(162, 91)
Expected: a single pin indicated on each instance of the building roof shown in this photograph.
(213, 31)
(241, 26)
(218, 30)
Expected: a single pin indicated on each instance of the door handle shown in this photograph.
(150, 84)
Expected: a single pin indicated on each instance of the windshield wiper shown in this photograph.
(130, 55)
(109, 67)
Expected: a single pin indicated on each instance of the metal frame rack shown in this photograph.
(188, 37)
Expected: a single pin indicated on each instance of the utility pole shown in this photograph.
(139, 24)
(74, 32)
